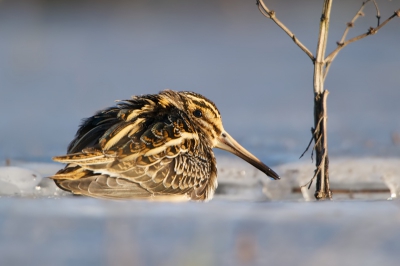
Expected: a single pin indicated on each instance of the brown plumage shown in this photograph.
(156, 146)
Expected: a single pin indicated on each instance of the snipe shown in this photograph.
(156, 146)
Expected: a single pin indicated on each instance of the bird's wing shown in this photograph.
(139, 156)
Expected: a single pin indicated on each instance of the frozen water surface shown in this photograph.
(240, 226)
(18, 181)
(362, 178)
(83, 231)
(61, 61)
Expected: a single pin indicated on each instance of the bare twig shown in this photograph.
(346, 31)
(312, 155)
(371, 31)
(320, 93)
(309, 144)
(309, 183)
(321, 48)
(323, 189)
(271, 15)
(312, 137)
(317, 142)
(322, 165)
(327, 67)
(378, 14)
(351, 23)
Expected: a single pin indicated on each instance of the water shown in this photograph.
(96, 232)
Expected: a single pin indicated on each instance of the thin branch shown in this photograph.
(378, 14)
(327, 67)
(371, 31)
(271, 15)
(351, 23)
(313, 131)
(318, 141)
(324, 190)
(316, 172)
(319, 167)
(309, 144)
(360, 14)
(323, 157)
(318, 81)
(318, 124)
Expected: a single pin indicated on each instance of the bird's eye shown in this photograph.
(197, 113)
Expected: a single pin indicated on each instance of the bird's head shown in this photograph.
(205, 116)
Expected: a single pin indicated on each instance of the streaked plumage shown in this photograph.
(156, 146)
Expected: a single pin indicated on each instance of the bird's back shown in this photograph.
(145, 147)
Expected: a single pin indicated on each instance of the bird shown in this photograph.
(153, 146)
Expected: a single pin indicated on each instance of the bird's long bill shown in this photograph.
(226, 142)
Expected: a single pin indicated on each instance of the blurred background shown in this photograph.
(61, 61)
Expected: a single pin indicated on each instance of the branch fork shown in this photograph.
(321, 68)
